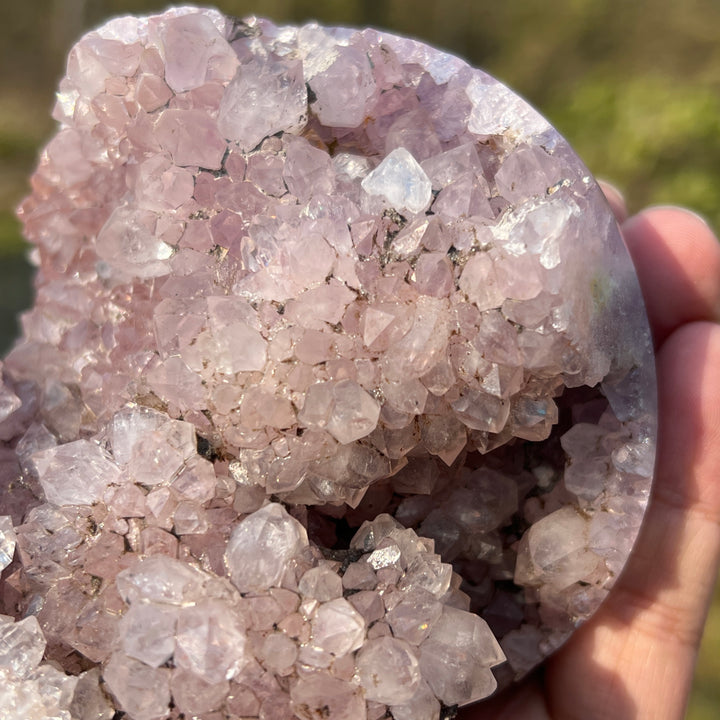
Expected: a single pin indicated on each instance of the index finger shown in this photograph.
(677, 258)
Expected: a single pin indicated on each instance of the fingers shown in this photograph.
(677, 258)
(679, 549)
(645, 637)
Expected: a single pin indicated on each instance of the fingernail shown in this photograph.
(615, 199)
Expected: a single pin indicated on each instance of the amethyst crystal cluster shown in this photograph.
(337, 397)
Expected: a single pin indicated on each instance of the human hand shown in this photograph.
(635, 658)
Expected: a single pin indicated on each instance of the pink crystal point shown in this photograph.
(337, 397)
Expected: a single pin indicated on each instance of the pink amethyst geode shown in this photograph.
(337, 399)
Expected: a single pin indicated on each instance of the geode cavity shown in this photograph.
(319, 312)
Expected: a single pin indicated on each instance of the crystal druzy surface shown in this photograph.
(337, 398)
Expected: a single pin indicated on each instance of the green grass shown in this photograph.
(705, 698)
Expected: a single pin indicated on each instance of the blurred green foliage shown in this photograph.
(634, 86)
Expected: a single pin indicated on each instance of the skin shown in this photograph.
(635, 658)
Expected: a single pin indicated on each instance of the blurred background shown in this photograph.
(634, 86)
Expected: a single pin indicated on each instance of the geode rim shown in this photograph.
(319, 311)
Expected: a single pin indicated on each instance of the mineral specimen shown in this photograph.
(337, 397)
